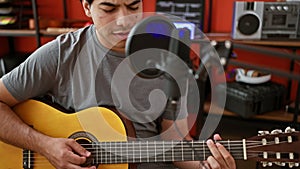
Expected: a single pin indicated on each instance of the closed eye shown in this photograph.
(107, 7)
(134, 5)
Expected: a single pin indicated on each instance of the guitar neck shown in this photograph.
(158, 151)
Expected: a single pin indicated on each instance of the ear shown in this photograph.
(86, 7)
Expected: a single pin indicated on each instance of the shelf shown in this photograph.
(279, 115)
(29, 32)
(291, 43)
(17, 32)
(270, 43)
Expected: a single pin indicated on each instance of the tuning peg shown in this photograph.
(264, 164)
(289, 130)
(263, 132)
(282, 164)
(276, 131)
(291, 165)
(270, 164)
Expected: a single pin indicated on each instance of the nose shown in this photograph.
(123, 18)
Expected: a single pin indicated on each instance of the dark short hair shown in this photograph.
(89, 1)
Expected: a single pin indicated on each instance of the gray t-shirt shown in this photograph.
(78, 72)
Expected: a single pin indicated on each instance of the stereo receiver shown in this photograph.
(266, 20)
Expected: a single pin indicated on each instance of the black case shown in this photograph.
(248, 100)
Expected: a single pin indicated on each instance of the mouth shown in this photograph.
(122, 35)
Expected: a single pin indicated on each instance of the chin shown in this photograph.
(121, 44)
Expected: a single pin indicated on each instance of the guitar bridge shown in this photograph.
(28, 159)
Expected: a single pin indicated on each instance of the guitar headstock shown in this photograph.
(276, 147)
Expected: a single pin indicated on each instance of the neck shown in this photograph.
(158, 151)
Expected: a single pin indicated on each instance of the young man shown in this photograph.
(76, 70)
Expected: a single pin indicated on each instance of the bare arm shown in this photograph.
(14, 131)
(220, 159)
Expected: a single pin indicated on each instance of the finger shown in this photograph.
(217, 137)
(77, 148)
(229, 160)
(213, 163)
(205, 165)
(92, 167)
(73, 158)
(216, 153)
(78, 154)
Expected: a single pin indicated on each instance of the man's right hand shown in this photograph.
(65, 153)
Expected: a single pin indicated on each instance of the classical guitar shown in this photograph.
(102, 132)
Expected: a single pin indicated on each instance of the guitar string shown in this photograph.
(238, 156)
(45, 161)
(186, 147)
(235, 153)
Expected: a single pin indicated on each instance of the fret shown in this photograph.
(163, 149)
(133, 152)
(97, 150)
(147, 152)
(172, 149)
(140, 151)
(106, 155)
(121, 153)
(155, 154)
(204, 155)
(110, 152)
(127, 149)
(228, 145)
(182, 151)
(193, 151)
(116, 153)
(101, 155)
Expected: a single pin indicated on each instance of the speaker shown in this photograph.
(247, 20)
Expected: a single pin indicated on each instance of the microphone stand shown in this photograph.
(179, 48)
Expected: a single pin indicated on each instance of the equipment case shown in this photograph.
(247, 100)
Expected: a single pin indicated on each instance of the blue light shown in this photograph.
(158, 29)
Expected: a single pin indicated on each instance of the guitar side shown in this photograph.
(103, 124)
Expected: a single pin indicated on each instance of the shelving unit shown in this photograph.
(25, 31)
(21, 29)
(190, 10)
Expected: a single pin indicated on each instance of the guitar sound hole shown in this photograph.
(85, 139)
(88, 146)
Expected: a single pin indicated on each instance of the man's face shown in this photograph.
(113, 20)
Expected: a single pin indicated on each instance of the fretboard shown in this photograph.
(157, 151)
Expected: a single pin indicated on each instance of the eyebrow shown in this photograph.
(108, 4)
(134, 3)
(114, 5)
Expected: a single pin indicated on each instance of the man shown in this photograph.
(75, 67)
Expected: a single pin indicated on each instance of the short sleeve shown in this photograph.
(36, 75)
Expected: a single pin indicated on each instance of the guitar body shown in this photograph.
(105, 135)
(100, 123)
